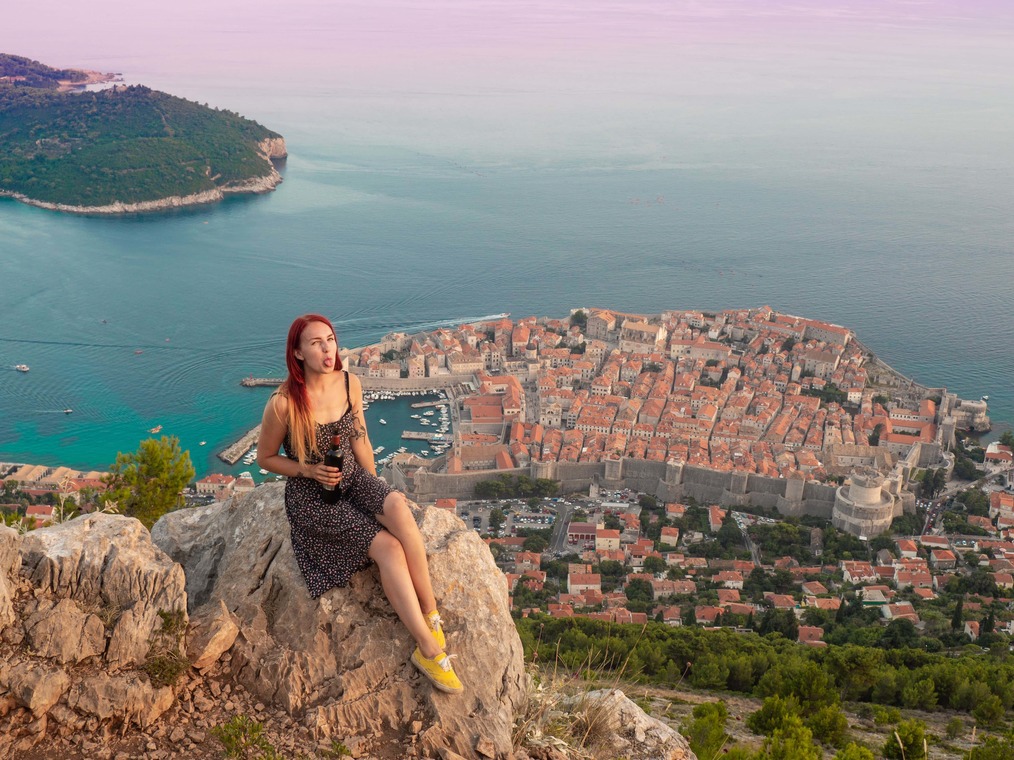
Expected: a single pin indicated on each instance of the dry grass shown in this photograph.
(560, 713)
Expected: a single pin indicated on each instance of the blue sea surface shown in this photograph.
(861, 183)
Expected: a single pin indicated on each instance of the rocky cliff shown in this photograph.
(94, 613)
(340, 664)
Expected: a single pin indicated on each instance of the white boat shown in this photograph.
(21, 367)
(202, 443)
(246, 475)
(415, 416)
(383, 421)
(68, 411)
(378, 449)
(262, 471)
(428, 413)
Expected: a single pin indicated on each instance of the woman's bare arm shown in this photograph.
(361, 446)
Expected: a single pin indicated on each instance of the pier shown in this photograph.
(254, 382)
(421, 404)
(418, 435)
(235, 452)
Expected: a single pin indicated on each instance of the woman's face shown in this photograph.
(318, 348)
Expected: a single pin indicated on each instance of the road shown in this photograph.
(558, 538)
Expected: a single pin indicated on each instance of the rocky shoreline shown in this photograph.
(272, 149)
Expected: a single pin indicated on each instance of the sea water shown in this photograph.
(850, 172)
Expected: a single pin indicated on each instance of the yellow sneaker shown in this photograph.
(438, 670)
(436, 625)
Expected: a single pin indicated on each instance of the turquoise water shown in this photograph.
(831, 175)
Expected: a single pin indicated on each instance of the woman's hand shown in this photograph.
(326, 476)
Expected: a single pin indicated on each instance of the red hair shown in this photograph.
(302, 426)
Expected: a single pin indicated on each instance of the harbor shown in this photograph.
(397, 409)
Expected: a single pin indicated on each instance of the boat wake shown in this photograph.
(454, 322)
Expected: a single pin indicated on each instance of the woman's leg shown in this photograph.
(398, 519)
(387, 551)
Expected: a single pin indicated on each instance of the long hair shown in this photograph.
(302, 426)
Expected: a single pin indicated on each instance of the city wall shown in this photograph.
(668, 482)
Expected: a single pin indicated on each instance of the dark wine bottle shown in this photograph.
(334, 457)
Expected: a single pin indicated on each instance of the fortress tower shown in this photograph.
(861, 506)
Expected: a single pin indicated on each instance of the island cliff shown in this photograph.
(95, 611)
(123, 149)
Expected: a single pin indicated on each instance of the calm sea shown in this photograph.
(452, 161)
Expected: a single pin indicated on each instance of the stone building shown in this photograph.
(862, 506)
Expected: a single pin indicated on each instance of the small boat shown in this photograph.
(21, 367)
(262, 471)
(383, 421)
(68, 411)
(139, 351)
(415, 416)
(378, 449)
(156, 429)
(202, 443)
(246, 475)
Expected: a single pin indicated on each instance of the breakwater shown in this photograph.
(233, 454)
(255, 382)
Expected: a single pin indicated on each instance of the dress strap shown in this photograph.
(348, 393)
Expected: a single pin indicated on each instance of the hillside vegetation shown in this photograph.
(37, 74)
(126, 144)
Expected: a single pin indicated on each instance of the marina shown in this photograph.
(396, 409)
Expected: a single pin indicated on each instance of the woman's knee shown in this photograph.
(397, 515)
(396, 505)
(386, 549)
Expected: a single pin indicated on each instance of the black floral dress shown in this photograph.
(331, 541)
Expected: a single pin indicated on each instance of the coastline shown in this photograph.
(272, 149)
(92, 78)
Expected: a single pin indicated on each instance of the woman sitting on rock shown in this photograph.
(333, 538)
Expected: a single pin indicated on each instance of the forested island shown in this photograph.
(122, 149)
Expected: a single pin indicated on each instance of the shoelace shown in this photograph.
(436, 624)
(445, 661)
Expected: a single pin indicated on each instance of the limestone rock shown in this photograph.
(10, 562)
(128, 695)
(131, 638)
(340, 663)
(211, 635)
(10, 557)
(35, 686)
(62, 631)
(627, 731)
(107, 563)
(106, 559)
(273, 148)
